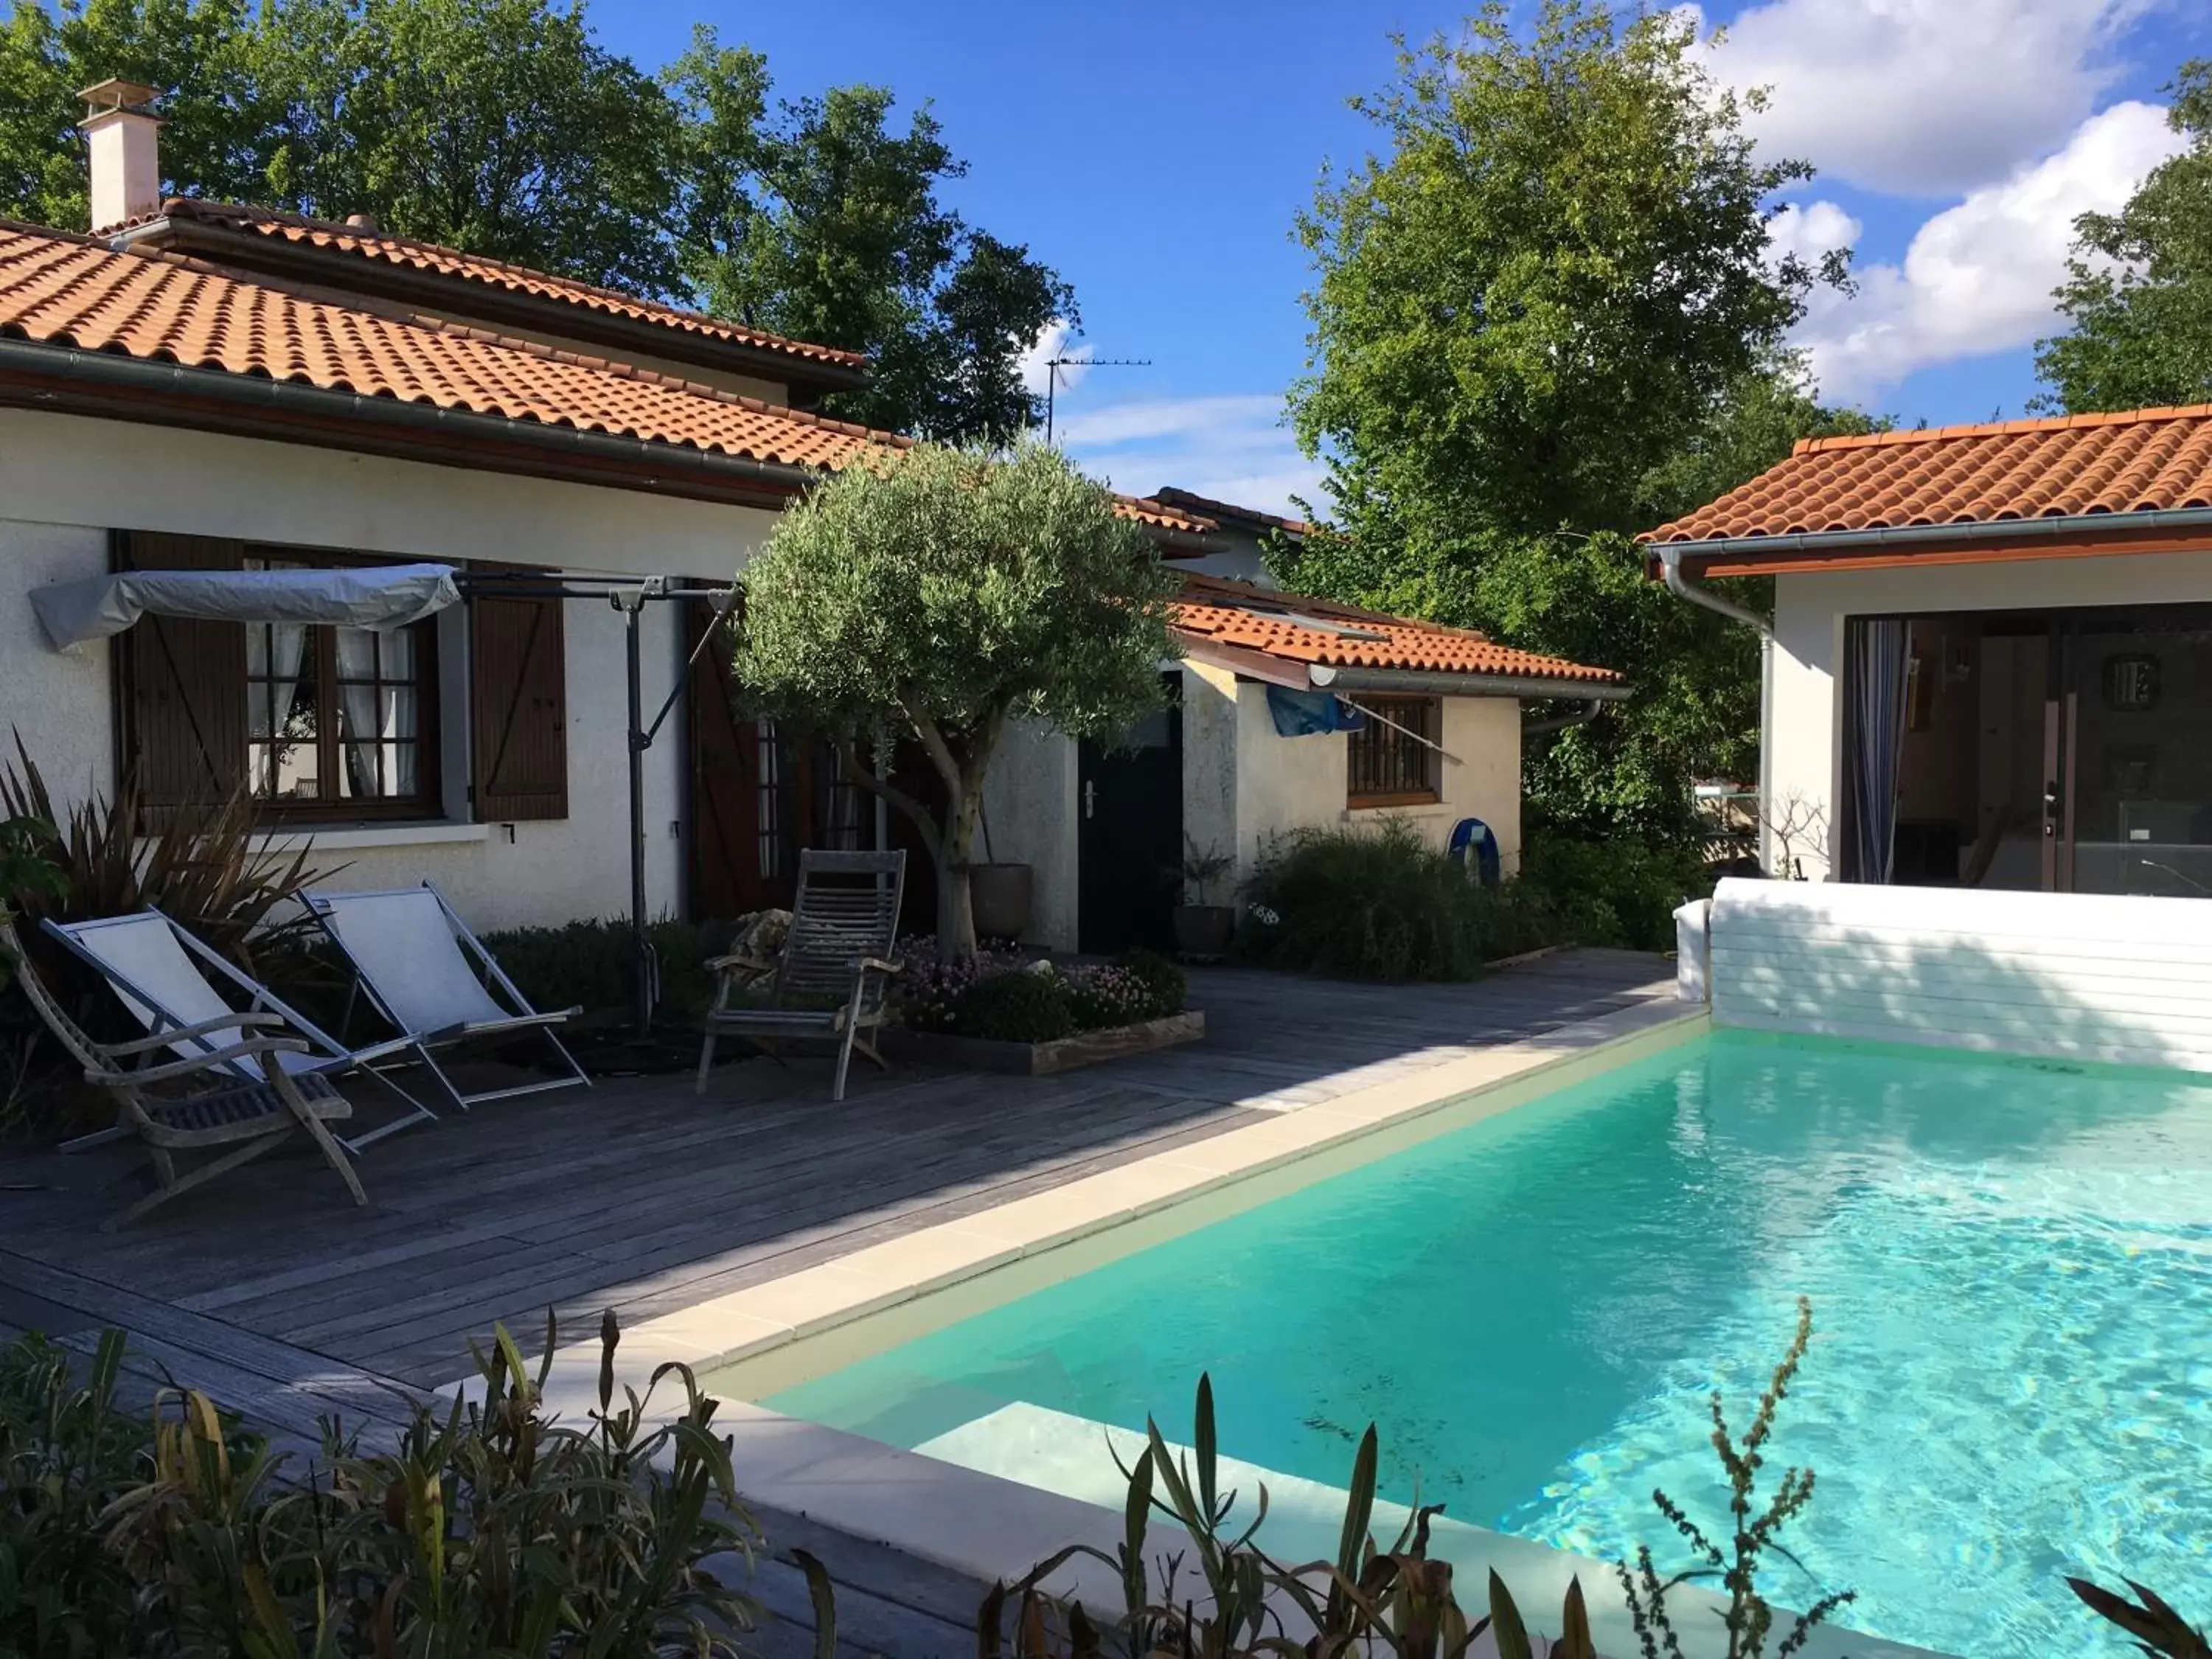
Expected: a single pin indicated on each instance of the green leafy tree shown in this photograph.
(1545, 316)
(505, 128)
(216, 136)
(825, 224)
(499, 126)
(2138, 289)
(944, 595)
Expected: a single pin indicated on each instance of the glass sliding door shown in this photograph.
(2132, 715)
(2061, 751)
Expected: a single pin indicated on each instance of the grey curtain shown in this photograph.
(1875, 671)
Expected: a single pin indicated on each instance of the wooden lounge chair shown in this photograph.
(231, 1102)
(188, 996)
(417, 960)
(833, 980)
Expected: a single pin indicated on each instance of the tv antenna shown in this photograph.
(1054, 365)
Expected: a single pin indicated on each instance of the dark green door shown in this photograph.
(1129, 841)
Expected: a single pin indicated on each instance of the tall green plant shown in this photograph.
(2158, 1630)
(207, 865)
(1753, 1531)
(67, 1451)
(1230, 1602)
(491, 1531)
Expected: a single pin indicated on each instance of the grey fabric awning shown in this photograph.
(380, 596)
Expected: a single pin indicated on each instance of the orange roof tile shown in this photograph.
(2139, 461)
(1281, 625)
(67, 291)
(1187, 500)
(496, 273)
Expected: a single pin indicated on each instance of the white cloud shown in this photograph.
(1052, 341)
(1231, 447)
(1923, 97)
(1978, 277)
(1811, 230)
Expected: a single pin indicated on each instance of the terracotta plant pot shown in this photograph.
(1000, 894)
(1205, 930)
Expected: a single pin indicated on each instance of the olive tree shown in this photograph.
(944, 592)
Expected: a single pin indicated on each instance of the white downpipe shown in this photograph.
(1670, 568)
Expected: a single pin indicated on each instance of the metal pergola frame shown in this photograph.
(629, 597)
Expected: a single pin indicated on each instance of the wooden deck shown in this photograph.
(286, 1302)
(639, 1196)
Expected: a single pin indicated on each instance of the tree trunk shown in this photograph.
(956, 906)
(956, 910)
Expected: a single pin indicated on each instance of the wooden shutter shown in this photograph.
(182, 683)
(518, 708)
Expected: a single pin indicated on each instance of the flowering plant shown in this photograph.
(931, 989)
(1107, 995)
(939, 996)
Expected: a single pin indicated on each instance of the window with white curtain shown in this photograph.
(341, 722)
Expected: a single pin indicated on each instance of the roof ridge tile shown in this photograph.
(330, 234)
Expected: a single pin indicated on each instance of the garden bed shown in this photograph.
(972, 1053)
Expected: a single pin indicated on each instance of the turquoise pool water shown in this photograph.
(2010, 1265)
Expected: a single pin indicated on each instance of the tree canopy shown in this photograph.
(1545, 315)
(2138, 290)
(942, 595)
(505, 128)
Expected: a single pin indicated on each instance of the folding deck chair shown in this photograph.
(229, 1105)
(425, 972)
(161, 973)
(838, 952)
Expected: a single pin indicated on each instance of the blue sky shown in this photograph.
(1157, 154)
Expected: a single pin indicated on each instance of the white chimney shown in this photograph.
(122, 136)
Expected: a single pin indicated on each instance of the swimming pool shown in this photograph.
(2010, 1264)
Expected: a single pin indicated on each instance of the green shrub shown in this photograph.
(490, 1530)
(1107, 994)
(1379, 904)
(1384, 904)
(588, 965)
(1165, 980)
(1022, 1007)
(67, 1453)
(1617, 892)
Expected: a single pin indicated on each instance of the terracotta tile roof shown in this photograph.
(63, 290)
(2140, 461)
(1195, 503)
(514, 279)
(1283, 626)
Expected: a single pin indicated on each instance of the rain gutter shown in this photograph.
(1462, 685)
(446, 433)
(1814, 544)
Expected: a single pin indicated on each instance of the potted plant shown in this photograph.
(1001, 895)
(1203, 929)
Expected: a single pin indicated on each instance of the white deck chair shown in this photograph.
(162, 973)
(418, 962)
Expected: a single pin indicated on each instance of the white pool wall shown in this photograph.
(2118, 980)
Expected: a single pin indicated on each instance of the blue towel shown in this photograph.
(1308, 713)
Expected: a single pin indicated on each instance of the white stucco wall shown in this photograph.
(1804, 738)
(1029, 804)
(65, 481)
(1211, 728)
(1290, 783)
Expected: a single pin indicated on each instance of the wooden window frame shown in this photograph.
(1424, 714)
(428, 803)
